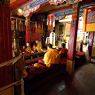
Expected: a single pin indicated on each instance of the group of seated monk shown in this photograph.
(51, 57)
(33, 47)
(54, 56)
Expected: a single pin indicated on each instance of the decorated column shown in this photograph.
(72, 40)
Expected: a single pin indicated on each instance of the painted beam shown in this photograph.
(18, 3)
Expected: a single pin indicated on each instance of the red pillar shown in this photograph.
(5, 33)
(5, 43)
(72, 40)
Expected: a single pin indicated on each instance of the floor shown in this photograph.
(84, 80)
(54, 85)
(82, 83)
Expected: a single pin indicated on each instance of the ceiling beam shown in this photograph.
(16, 4)
(42, 6)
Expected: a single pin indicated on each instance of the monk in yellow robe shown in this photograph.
(51, 56)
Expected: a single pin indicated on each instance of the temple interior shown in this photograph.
(47, 47)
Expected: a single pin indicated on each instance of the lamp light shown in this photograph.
(20, 12)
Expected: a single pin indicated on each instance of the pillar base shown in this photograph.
(70, 66)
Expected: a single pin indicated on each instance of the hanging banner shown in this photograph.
(51, 22)
(89, 19)
(80, 24)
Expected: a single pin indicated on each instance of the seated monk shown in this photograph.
(51, 56)
(63, 54)
(28, 48)
(33, 47)
(39, 46)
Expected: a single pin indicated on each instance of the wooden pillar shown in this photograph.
(5, 43)
(28, 32)
(5, 33)
(72, 40)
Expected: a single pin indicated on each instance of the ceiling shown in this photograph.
(51, 8)
(14, 4)
(44, 8)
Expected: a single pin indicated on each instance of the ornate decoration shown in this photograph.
(57, 2)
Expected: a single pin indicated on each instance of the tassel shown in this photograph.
(3, 1)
